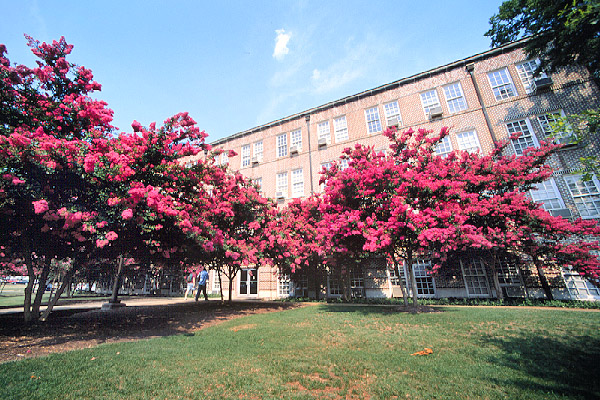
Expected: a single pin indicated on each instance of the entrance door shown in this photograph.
(248, 282)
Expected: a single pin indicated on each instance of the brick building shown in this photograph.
(483, 99)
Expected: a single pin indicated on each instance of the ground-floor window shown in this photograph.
(334, 287)
(357, 282)
(283, 285)
(301, 286)
(580, 288)
(475, 278)
(424, 280)
(216, 281)
(248, 282)
(508, 273)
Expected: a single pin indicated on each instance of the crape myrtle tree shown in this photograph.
(46, 114)
(238, 217)
(296, 245)
(412, 203)
(69, 190)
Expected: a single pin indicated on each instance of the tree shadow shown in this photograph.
(368, 309)
(569, 367)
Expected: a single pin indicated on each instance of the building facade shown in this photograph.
(483, 99)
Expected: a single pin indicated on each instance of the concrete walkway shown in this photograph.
(97, 304)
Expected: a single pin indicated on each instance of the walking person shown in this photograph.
(191, 284)
(202, 279)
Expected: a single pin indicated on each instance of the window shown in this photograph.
(546, 121)
(502, 85)
(281, 183)
(425, 284)
(324, 166)
(282, 149)
(443, 147)
(475, 278)
(455, 98)
(245, 155)
(341, 129)
(548, 195)
(526, 70)
(301, 285)
(586, 195)
(580, 288)
(224, 158)
(258, 183)
(508, 273)
(283, 285)
(429, 100)
(372, 117)
(357, 282)
(296, 139)
(394, 278)
(216, 281)
(392, 114)
(258, 151)
(297, 183)
(344, 164)
(335, 289)
(323, 131)
(468, 141)
(527, 139)
(249, 282)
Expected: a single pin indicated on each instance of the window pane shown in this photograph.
(296, 139)
(586, 195)
(297, 183)
(392, 114)
(526, 71)
(547, 194)
(455, 98)
(502, 85)
(246, 155)
(282, 149)
(444, 146)
(429, 100)
(341, 129)
(372, 117)
(468, 141)
(525, 140)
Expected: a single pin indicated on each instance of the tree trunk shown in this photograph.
(37, 302)
(66, 282)
(116, 284)
(402, 287)
(413, 281)
(29, 288)
(543, 278)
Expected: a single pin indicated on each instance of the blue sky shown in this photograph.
(234, 65)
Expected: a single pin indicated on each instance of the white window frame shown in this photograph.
(296, 139)
(281, 183)
(327, 165)
(508, 274)
(444, 147)
(340, 127)
(429, 100)
(425, 282)
(357, 282)
(545, 121)
(579, 287)
(372, 119)
(216, 282)
(258, 183)
(249, 273)
(284, 285)
(585, 194)
(391, 111)
(525, 70)
(475, 278)
(224, 158)
(526, 140)
(455, 98)
(547, 194)
(468, 141)
(502, 84)
(297, 183)
(323, 131)
(245, 155)
(282, 147)
(257, 150)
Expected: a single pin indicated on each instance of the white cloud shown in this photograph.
(281, 42)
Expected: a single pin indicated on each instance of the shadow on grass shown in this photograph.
(66, 327)
(569, 367)
(368, 309)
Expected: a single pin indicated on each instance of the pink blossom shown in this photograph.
(111, 235)
(127, 214)
(40, 206)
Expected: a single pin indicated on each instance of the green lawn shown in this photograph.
(14, 296)
(336, 352)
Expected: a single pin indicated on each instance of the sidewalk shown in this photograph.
(91, 305)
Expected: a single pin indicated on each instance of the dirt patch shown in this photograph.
(76, 329)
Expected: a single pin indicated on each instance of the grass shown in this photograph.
(14, 296)
(335, 352)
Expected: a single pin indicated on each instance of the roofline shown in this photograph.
(379, 89)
